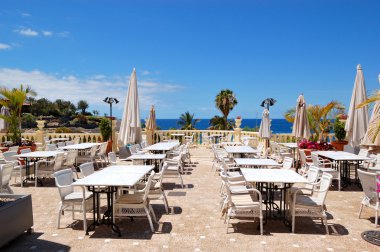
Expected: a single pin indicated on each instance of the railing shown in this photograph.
(199, 136)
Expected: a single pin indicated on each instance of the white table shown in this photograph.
(343, 160)
(36, 155)
(111, 177)
(293, 147)
(231, 144)
(59, 139)
(266, 179)
(148, 159)
(81, 146)
(239, 150)
(257, 162)
(162, 147)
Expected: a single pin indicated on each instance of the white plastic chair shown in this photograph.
(370, 183)
(18, 171)
(136, 204)
(87, 169)
(51, 147)
(112, 158)
(326, 166)
(5, 177)
(51, 167)
(70, 200)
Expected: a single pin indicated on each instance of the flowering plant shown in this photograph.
(341, 116)
(238, 117)
(305, 144)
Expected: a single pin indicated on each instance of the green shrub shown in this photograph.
(105, 129)
(339, 131)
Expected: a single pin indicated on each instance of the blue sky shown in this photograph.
(185, 52)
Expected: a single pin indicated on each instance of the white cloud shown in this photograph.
(25, 14)
(92, 89)
(4, 46)
(145, 72)
(47, 33)
(27, 32)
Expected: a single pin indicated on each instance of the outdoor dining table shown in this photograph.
(293, 147)
(111, 177)
(238, 151)
(35, 155)
(149, 159)
(162, 147)
(265, 180)
(343, 160)
(81, 146)
(255, 162)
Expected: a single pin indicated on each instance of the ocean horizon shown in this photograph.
(277, 126)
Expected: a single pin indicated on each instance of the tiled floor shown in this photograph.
(195, 223)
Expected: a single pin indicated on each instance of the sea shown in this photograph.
(277, 125)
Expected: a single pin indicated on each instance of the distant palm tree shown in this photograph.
(225, 101)
(187, 121)
(218, 123)
(14, 100)
(82, 106)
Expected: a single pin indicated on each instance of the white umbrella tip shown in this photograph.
(359, 67)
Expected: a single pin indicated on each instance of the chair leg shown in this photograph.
(153, 214)
(326, 226)
(72, 212)
(165, 202)
(149, 219)
(180, 177)
(59, 215)
(261, 225)
(376, 217)
(361, 209)
(293, 222)
(228, 223)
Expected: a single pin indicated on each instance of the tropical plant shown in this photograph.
(218, 123)
(319, 117)
(339, 131)
(374, 127)
(14, 100)
(82, 106)
(105, 129)
(225, 101)
(187, 122)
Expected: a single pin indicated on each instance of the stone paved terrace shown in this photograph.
(195, 223)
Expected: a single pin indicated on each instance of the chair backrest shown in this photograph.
(302, 156)
(287, 163)
(112, 158)
(103, 148)
(324, 186)
(76, 140)
(71, 157)
(46, 139)
(370, 186)
(61, 144)
(63, 180)
(312, 176)
(51, 147)
(69, 143)
(143, 144)
(132, 149)
(87, 169)
(363, 152)
(315, 159)
(147, 186)
(58, 161)
(10, 156)
(27, 150)
(5, 174)
(93, 150)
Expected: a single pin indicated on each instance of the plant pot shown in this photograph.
(339, 145)
(32, 148)
(16, 216)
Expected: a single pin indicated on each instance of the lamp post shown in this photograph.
(110, 101)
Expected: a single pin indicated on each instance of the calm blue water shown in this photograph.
(278, 125)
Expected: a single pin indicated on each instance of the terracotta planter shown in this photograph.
(339, 145)
(32, 148)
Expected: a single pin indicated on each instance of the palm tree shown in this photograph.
(218, 123)
(187, 121)
(225, 101)
(374, 127)
(319, 117)
(14, 100)
(82, 105)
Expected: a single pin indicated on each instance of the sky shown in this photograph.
(185, 52)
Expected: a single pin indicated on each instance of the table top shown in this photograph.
(272, 176)
(240, 149)
(255, 162)
(38, 154)
(162, 146)
(231, 143)
(341, 156)
(177, 134)
(145, 156)
(81, 146)
(56, 139)
(290, 145)
(115, 175)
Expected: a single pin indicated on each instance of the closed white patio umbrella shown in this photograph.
(3, 124)
(264, 131)
(357, 119)
(130, 127)
(301, 128)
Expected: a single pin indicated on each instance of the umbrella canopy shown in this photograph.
(264, 131)
(301, 128)
(357, 120)
(130, 127)
(151, 123)
(3, 124)
(372, 136)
